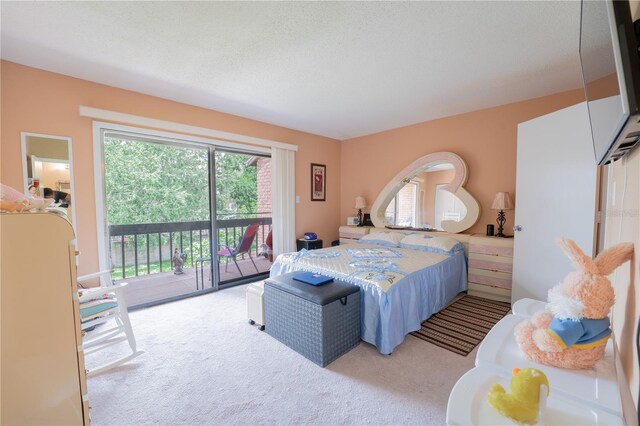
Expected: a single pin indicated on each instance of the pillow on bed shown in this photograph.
(390, 239)
(444, 245)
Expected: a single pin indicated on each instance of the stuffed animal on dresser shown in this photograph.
(572, 331)
(522, 404)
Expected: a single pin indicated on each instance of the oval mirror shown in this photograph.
(428, 194)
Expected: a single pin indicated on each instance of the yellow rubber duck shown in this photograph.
(523, 402)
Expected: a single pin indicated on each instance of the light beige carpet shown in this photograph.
(204, 364)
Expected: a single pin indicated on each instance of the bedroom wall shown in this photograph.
(43, 102)
(485, 139)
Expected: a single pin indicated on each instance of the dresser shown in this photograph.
(351, 234)
(490, 267)
(43, 373)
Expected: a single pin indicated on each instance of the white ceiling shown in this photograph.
(338, 69)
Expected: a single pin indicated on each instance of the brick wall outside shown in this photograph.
(264, 194)
(406, 205)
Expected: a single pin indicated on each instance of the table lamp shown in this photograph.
(361, 203)
(502, 202)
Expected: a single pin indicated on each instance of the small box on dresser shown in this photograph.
(490, 267)
(351, 234)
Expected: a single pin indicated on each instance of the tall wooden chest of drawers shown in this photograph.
(490, 267)
(43, 372)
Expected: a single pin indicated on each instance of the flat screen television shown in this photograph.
(611, 74)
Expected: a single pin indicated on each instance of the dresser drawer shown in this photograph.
(492, 278)
(490, 262)
(353, 232)
(351, 235)
(344, 241)
(492, 250)
(488, 292)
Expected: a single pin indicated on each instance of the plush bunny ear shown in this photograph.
(613, 257)
(581, 261)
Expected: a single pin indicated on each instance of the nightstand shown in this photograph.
(351, 234)
(301, 243)
(490, 267)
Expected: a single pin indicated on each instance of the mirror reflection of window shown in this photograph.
(404, 210)
(390, 213)
(422, 203)
(437, 177)
(447, 207)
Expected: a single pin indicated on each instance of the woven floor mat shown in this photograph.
(463, 324)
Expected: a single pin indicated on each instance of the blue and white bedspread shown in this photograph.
(400, 287)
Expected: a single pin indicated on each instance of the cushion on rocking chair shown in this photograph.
(97, 306)
(94, 308)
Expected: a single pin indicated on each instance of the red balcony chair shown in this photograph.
(244, 246)
(269, 244)
(266, 249)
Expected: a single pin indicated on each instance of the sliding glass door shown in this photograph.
(161, 197)
(243, 215)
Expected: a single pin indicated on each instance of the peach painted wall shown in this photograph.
(43, 102)
(431, 179)
(485, 139)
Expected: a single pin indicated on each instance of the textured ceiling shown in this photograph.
(338, 69)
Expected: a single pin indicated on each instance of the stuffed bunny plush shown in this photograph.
(572, 331)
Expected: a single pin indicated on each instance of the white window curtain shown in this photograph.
(283, 177)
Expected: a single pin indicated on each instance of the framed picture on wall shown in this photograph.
(318, 182)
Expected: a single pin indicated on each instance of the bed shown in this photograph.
(402, 284)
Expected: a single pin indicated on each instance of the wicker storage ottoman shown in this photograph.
(319, 322)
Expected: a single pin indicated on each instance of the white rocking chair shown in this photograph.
(99, 305)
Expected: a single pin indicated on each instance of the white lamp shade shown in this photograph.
(502, 201)
(361, 203)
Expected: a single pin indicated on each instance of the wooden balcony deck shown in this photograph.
(155, 287)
